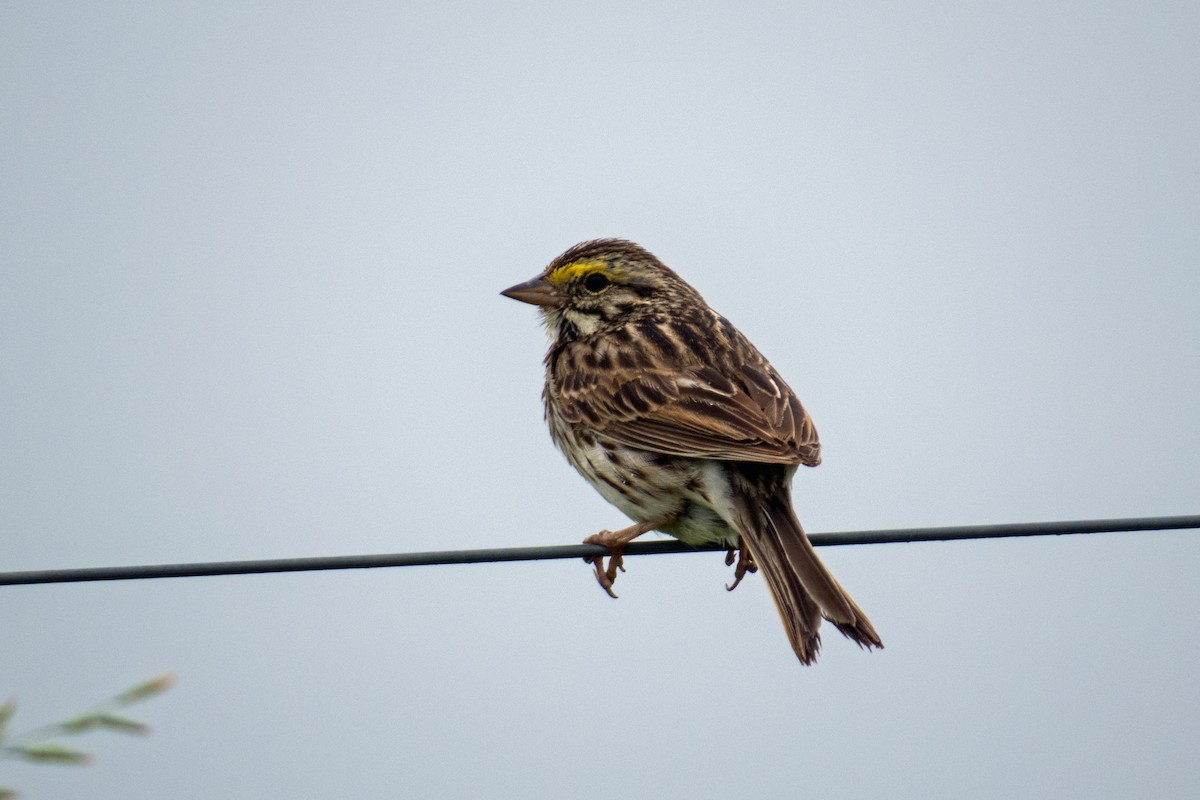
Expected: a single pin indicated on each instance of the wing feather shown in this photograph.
(729, 405)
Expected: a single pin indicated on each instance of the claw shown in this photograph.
(606, 576)
(603, 576)
(745, 564)
(615, 541)
(616, 562)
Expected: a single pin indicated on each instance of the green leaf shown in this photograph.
(80, 724)
(50, 754)
(7, 794)
(6, 712)
(143, 690)
(112, 722)
(102, 719)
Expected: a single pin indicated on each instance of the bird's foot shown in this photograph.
(745, 564)
(615, 541)
(607, 576)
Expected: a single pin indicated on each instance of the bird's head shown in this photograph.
(601, 285)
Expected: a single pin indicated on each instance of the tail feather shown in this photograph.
(800, 584)
(800, 614)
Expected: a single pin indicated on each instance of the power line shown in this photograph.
(493, 555)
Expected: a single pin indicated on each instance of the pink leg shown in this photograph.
(615, 541)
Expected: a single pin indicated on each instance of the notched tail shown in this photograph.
(802, 587)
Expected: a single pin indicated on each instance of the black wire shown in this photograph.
(493, 555)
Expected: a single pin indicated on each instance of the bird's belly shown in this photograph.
(683, 492)
(702, 525)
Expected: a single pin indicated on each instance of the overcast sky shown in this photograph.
(249, 265)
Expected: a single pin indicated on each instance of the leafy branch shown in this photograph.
(38, 745)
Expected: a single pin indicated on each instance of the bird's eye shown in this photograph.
(595, 283)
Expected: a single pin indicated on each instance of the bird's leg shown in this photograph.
(615, 541)
(745, 564)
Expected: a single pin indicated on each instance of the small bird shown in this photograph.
(675, 418)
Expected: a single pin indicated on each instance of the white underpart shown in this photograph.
(693, 493)
(715, 483)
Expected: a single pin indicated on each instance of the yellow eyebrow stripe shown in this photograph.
(576, 269)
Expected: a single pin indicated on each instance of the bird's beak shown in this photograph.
(537, 292)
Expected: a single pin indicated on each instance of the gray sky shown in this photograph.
(249, 309)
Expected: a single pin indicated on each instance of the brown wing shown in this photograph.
(660, 393)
